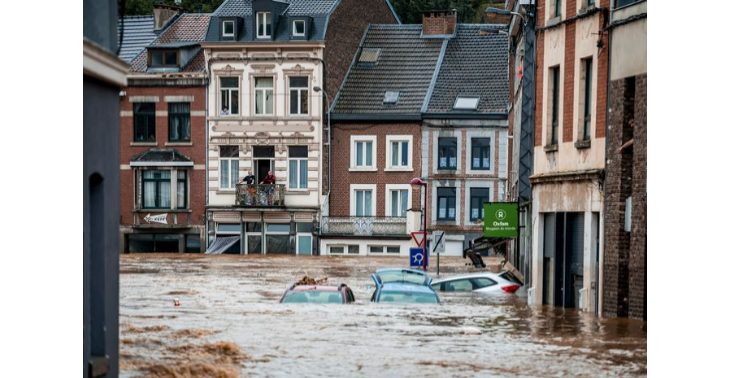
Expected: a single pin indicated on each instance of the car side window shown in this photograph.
(458, 285)
(350, 296)
(438, 286)
(482, 282)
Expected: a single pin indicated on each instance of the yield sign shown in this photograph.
(419, 237)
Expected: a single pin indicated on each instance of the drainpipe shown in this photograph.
(207, 183)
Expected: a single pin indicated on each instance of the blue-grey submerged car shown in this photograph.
(399, 285)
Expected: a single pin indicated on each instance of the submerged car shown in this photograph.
(320, 294)
(400, 285)
(401, 275)
(483, 282)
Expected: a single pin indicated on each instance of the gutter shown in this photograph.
(376, 117)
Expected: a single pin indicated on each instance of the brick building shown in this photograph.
(569, 153)
(409, 88)
(624, 283)
(265, 118)
(162, 133)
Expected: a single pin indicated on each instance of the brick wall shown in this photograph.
(637, 263)
(196, 151)
(435, 23)
(569, 77)
(342, 177)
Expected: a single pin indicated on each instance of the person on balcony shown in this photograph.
(270, 179)
(250, 182)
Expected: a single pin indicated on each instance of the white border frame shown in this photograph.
(389, 139)
(492, 160)
(294, 28)
(489, 184)
(353, 205)
(391, 187)
(353, 156)
(223, 28)
(267, 15)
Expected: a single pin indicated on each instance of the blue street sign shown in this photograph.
(417, 257)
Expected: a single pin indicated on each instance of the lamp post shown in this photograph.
(416, 184)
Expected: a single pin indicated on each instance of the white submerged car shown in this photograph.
(482, 282)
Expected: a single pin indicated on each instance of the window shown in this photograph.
(587, 92)
(376, 249)
(555, 101)
(298, 164)
(349, 249)
(395, 249)
(466, 103)
(363, 203)
(156, 189)
(229, 96)
(298, 95)
(179, 121)
(144, 122)
(228, 27)
(480, 153)
(298, 28)
(353, 249)
(478, 196)
(160, 58)
(182, 189)
(391, 97)
(399, 152)
(447, 153)
(398, 203)
(337, 249)
(556, 8)
(458, 285)
(263, 24)
(229, 167)
(623, 3)
(369, 56)
(392, 249)
(362, 150)
(446, 202)
(264, 95)
(591, 3)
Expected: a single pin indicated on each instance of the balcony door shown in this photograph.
(263, 161)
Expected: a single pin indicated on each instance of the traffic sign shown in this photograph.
(419, 237)
(439, 240)
(417, 257)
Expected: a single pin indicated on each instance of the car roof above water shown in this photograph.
(406, 287)
(315, 288)
(468, 275)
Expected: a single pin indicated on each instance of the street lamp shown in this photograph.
(329, 140)
(416, 184)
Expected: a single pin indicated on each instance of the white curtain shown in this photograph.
(149, 194)
(225, 168)
(165, 194)
(368, 203)
(303, 168)
(293, 174)
(403, 202)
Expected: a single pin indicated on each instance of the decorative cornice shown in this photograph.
(103, 65)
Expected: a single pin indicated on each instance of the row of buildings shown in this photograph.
(344, 105)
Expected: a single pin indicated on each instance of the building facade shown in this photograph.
(265, 122)
(625, 263)
(569, 153)
(163, 133)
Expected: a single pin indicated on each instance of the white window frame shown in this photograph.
(459, 203)
(396, 187)
(294, 28)
(353, 198)
(390, 139)
(489, 184)
(354, 139)
(230, 172)
(464, 102)
(233, 33)
(492, 153)
(266, 17)
(344, 249)
(435, 152)
(264, 90)
(230, 90)
(385, 249)
(299, 91)
(299, 169)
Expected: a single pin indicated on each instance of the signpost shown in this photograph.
(500, 220)
(439, 247)
(419, 259)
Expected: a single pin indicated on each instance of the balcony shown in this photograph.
(365, 226)
(265, 195)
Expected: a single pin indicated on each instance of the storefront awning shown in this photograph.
(221, 244)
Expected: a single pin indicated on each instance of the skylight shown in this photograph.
(369, 55)
(391, 97)
(466, 103)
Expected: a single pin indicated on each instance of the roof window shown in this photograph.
(466, 103)
(228, 28)
(391, 97)
(369, 55)
(163, 58)
(298, 28)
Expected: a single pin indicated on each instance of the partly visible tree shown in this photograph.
(144, 7)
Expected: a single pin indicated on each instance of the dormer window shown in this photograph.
(228, 28)
(391, 98)
(263, 24)
(466, 103)
(298, 28)
(163, 58)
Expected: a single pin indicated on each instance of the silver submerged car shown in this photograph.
(482, 282)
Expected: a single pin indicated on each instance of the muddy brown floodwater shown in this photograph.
(230, 324)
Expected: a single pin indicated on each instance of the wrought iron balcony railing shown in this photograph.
(364, 225)
(260, 195)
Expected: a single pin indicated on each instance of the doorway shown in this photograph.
(263, 157)
(563, 259)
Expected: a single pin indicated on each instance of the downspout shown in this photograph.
(601, 256)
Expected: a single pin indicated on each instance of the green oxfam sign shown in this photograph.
(500, 220)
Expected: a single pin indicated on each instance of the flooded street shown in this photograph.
(229, 324)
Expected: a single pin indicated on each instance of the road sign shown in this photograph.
(417, 257)
(500, 220)
(419, 237)
(439, 241)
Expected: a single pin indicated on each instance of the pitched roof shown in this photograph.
(405, 64)
(139, 31)
(161, 156)
(239, 8)
(428, 73)
(474, 65)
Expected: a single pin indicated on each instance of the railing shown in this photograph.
(260, 195)
(364, 225)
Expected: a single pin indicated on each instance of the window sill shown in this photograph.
(143, 144)
(550, 148)
(581, 144)
(554, 21)
(178, 143)
(404, 169)
(586, 9)
(297, 192)
(446, 222)
(444, 171)
(225, 191)
(363, 169)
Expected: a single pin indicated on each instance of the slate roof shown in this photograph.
(187, 31)
(139, 31)
(405, 64)
(317, 10)
(161, 156)
(474, 65)
(470, 65)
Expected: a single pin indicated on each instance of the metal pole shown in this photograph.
(425, 226)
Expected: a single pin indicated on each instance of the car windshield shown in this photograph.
(403, 276)
(313, 296)
(407, 297)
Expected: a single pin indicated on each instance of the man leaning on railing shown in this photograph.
(250, 193)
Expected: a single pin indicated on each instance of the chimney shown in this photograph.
(439, 22)
(164, 13)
